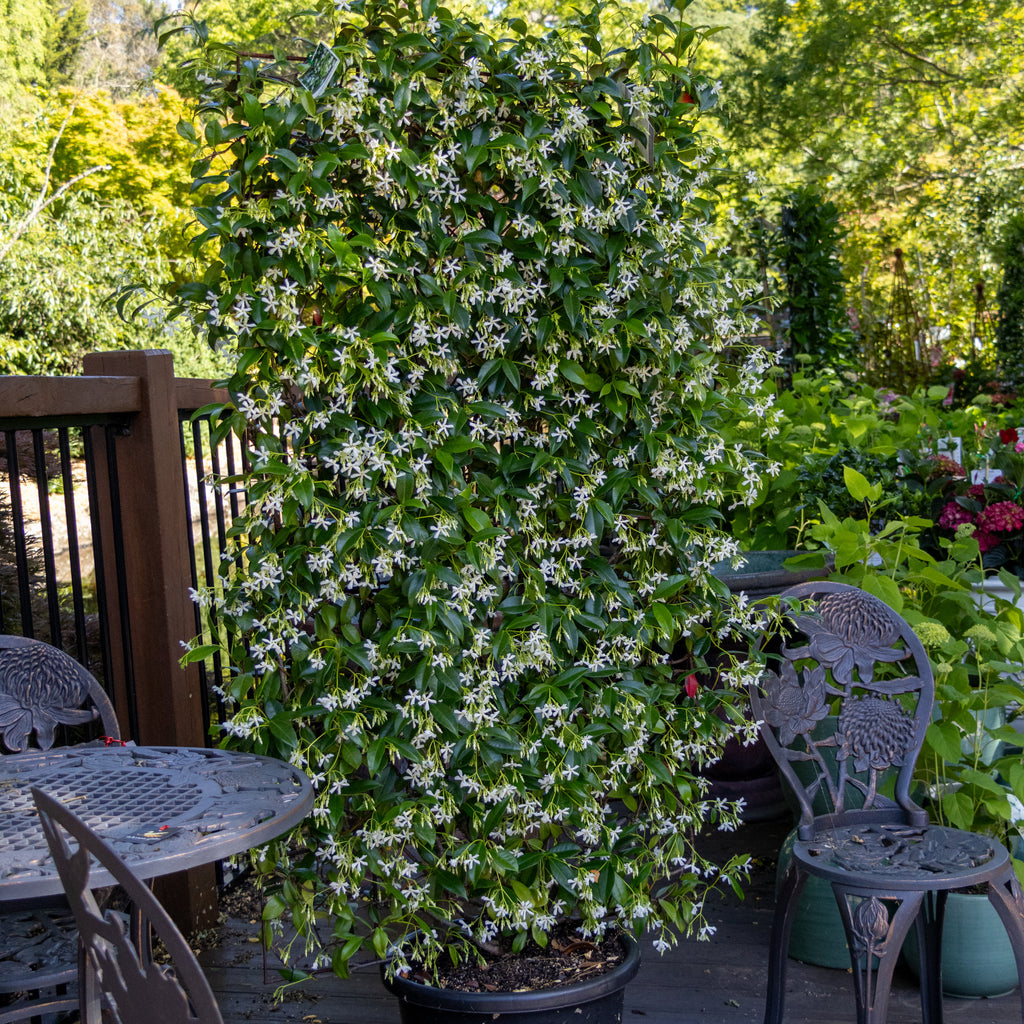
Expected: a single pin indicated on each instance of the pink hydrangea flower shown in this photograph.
(1001, 517)
(986, 540)
(943, 465)
(954, 515)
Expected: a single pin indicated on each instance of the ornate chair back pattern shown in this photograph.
(864, 663)
(138, 990)
(42, 688)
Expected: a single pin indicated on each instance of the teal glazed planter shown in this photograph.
(977, 959)
(818, 936)
(595, 1001)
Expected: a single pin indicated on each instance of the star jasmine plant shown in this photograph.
(483, 357)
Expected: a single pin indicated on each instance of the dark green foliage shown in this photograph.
(469, 283)
(64, 38)
(1010, 299)
(808, 245)
(976, 377)
(821, 479)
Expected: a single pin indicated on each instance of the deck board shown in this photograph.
(716, 982)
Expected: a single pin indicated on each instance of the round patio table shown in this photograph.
(163, 809)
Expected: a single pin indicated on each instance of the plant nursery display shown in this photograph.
(484, 356)
(989, 498)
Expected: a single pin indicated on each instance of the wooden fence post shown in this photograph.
(157, 577)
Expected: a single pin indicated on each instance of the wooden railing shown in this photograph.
(123, 420)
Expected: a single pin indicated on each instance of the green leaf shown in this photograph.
(858, 486)
(944, 739)
(885, 588)
(288, 158)
(504, 861)
(200, 653)
(476, 519)
(958, 808)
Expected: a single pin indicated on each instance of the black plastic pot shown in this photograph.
(597, 1001)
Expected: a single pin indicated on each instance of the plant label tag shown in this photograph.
(323, 63)
(985, 476)
(952, 447)
(150, 834)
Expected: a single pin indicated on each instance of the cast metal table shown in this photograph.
(163, 809)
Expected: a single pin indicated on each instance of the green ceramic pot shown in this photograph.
(977, 959)
(818, 936)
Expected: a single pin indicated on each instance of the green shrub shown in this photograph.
(1010, 300)
(807, 247)
(485, 358)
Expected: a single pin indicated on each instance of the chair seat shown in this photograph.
(909, 858)
(38, 964)
(38, 948)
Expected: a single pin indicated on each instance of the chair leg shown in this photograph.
(782, 925)
(871, 932)
(929, 945)
(89, 994)
(1006, 896)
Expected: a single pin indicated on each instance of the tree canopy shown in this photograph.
(906, 113)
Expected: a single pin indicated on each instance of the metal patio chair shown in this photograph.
(888, 867)
(114, 973)
(41, 689)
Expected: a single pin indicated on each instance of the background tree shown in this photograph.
(1010, 322)
(57, 281)
(64, 36)
(119, 51)
(24, 28)
(93, 184)
(807, 248)
(906, 114)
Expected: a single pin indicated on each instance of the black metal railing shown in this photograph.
(44, 493)
(213, 499)
(75, 535)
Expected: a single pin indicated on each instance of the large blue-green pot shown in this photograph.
(977, 959)
(817, 936)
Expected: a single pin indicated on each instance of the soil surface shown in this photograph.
(566, 960)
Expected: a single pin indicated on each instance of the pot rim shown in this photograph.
(520, 1002)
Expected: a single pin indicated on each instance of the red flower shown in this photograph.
(1008, 435)
(986, 541)
(692, 686)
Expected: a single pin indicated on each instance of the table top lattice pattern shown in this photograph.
(163, 809)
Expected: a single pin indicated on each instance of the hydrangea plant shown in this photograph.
(483, 355)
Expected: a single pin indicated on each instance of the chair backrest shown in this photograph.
(847, 707)
(139, 990)
(41, 688)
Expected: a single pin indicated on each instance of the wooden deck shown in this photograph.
(714, 982)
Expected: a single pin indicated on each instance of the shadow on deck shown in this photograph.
(718, 982)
